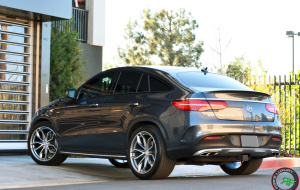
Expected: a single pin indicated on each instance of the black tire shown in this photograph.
(42, 145)
(246, 168)
(158, 164)
(119, 163)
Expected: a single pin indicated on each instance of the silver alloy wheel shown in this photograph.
(143, 152)
(43, 144)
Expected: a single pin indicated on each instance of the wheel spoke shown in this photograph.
(37, 142)
(50, 136)
(149, 143)
(46, 152)
(153, 156)
(38, 134)
(51, 151)
(149, 160)
(146, 162)
(138, 139)
(43, 135)
(138, 150)
(144, 141)
(41, 153)
(52, 145)
(38, 147)
(137, 157)
(140, 165)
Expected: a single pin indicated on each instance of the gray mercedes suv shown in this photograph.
(150, 118)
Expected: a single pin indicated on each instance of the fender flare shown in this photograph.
(159, 125)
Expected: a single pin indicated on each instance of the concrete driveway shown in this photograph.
(22, 171)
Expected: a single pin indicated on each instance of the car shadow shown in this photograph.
(100, 169)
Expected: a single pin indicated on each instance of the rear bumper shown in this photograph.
(252, 152)
(229, 145)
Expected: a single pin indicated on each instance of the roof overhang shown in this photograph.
(37, 9)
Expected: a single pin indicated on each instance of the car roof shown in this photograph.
(167, 69)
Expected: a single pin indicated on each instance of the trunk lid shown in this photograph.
(242, 105)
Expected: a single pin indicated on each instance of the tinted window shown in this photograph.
(144, 84)
(128, 82)
(157, 85)
(99, 85)
(210, 80)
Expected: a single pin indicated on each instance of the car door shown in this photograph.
(118, 110)
(79, 121)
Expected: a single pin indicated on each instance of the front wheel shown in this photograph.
(43, 146)
(243, 168)
(147, 154)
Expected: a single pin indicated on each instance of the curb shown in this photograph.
(269, 163)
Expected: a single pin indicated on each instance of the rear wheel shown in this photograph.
(147, 154)
(119, 163)
(43, 146)
(242, 168)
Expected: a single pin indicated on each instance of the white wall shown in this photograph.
(96, 22)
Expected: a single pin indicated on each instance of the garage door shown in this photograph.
(15, 85)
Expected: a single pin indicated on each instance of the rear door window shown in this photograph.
(144, 84)
(128, 82)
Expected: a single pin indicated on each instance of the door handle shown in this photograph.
(133, 104)
(94, 105)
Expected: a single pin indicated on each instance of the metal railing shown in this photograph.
(81, 23)
(285, 92)
(80, 17)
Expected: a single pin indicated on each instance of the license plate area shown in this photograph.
(249, 141)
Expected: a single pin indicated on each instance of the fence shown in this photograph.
(80, 17)
(285, 92)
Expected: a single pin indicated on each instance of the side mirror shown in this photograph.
(71, 93)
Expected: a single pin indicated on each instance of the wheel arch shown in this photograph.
(41, 119)
(146, 121)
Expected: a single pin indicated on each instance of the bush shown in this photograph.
(66, 66)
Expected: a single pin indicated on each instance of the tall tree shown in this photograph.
(67, 68)
(165, 37)
(239, 68)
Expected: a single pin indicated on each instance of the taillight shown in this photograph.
(272, 108)
(276, 139)
(217, 105)
(213, 137)
(199, 105)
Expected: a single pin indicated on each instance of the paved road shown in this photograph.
(92, 173)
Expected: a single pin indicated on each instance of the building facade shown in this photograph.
(25, 37)
(89, 17)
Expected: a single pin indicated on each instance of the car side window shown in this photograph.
(128, 82)
(157, 85)
(98, 85)
(144, 84)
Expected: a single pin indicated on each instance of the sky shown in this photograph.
(255, 29)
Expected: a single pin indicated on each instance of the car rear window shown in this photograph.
(210, 80)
